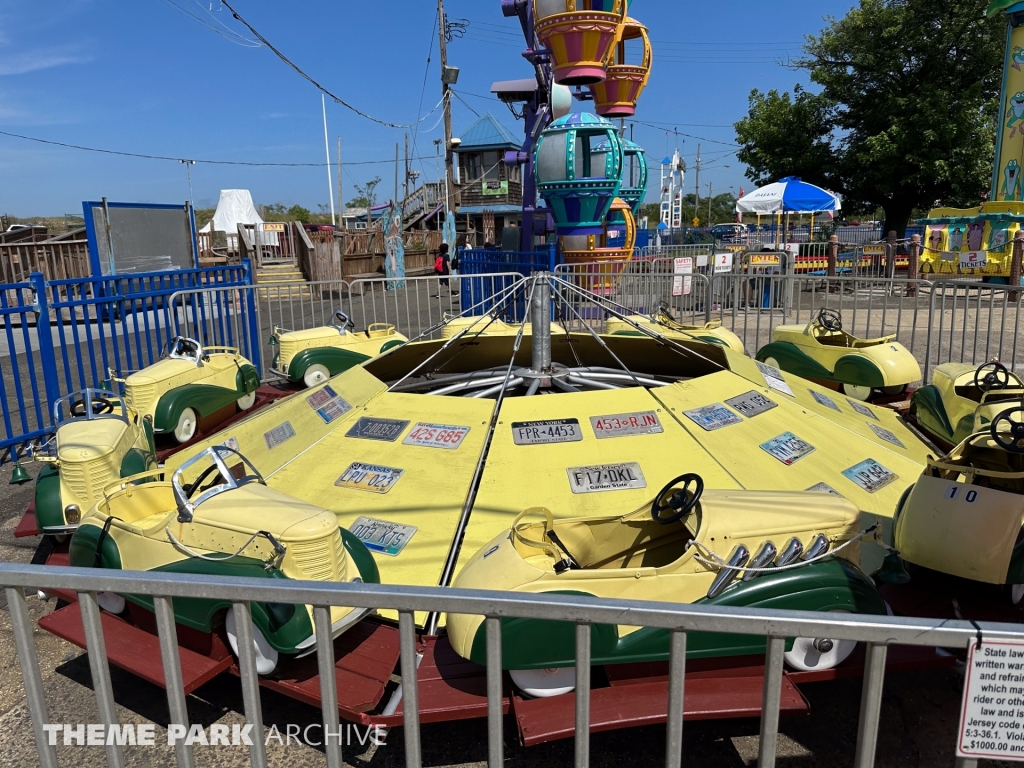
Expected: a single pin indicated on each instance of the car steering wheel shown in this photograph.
(343, 320)
(100, 406)
(830, 320)
(1012, 439)
(997, 378)
(191, 488)
(680, 500)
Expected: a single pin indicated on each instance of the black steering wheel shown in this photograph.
(100, 406)
(191, 488)
(665, 310)
(680, 500)
(344, 322)
(1012, 439)
(987, 380)
(830, 320)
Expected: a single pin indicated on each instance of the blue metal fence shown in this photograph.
(491, 262)
(65, 335)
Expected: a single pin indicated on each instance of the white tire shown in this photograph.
(772, 362)
(186, 427)
(809, 653)
(896, 389)
(856, 392)
(266, 655)
(247, 401)
(316, 374)
(544, 683)
(1016, 593)
(111, 602)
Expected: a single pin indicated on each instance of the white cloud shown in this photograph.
(32, 61)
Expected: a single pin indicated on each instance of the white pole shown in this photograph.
(327, 149)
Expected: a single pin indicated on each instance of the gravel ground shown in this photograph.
(919, 714)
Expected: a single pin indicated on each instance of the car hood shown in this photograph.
(160, 371)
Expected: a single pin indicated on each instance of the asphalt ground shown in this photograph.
(920, 712)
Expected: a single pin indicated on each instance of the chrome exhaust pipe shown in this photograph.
(791, 552)
(819, 546)
(764, 557)
(739, 557)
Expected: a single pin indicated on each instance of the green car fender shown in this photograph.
(792, 360)
(204, 399)
(853, 369)
(927, 407)
(86, 550)
(388, 346)
(49, 507)
(247, 379)
(137, 461)
(361, 556)
(833, 584)
(334, 359)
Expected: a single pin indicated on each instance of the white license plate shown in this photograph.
(369, 477)
(623, 424)
(328, 404)
(606, 477)
(436, 436)
(825, 400)
(278, 435)
(823, 488)
(774, 379)
(543, 432)
(862, 409)
(886, 435)
(712, 417)
(787, 448)
(870, 475)
(381, 536)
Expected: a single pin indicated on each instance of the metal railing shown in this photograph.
(879, 632)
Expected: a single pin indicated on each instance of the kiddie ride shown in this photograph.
(823, 351)
(960, 529)
(712, 332)
(314, 355)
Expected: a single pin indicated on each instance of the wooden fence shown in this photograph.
(56, 259)
(325, 256)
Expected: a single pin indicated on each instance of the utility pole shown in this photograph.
(696, 199)
(406, 189)
(711, 196)
(395, 198)
(327, 150)
(341, 193)
(445, 92)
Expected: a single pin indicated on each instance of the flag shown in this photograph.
(739, 216)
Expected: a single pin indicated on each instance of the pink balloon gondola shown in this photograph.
(580, 35)
(618, 94)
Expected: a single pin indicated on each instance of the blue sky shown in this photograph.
(141, 76)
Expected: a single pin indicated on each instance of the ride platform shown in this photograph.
(939, 595)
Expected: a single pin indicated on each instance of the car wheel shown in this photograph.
(857, 392)
(185, 430)
(544, 683)
(316, 374)
(814, 653)
(266, 655)
(111, 602)
(247, 401)
(1015, 593)
(896, 389)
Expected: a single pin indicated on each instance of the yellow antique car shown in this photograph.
(823, 351)
(481, 325)
(964, 515)
(189, 385)
(316, 354)
(963, 399)
(225, 521)
(663, 322)
(97, 440)
(670, 550)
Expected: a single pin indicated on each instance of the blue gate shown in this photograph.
(65, 335)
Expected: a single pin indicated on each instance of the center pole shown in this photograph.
(540, 317)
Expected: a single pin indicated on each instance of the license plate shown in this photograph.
(870, 475)
(606, 477)
(825, 400)
(381, 536)
(787, 448)
(369, 477)
(712, 417)
(774, 379)
(368, 428)
(543, 432)
(823, 488)
(436, 436)
(862, 409)
(751, 404)
(623, 424)
(328, 404)
(886, 435)
(278, 435)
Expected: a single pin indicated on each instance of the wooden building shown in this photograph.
(487, 186)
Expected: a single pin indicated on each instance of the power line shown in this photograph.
(227, 33)
(322, 89)
(177, 159)
(687, 135)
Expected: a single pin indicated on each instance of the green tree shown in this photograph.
(905, 114)
(366, 195)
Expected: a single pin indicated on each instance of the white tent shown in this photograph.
(235, 207)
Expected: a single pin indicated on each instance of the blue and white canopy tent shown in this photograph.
(789, 195)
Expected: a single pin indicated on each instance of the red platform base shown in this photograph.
(932, 594)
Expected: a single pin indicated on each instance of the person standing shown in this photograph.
(443, 267)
